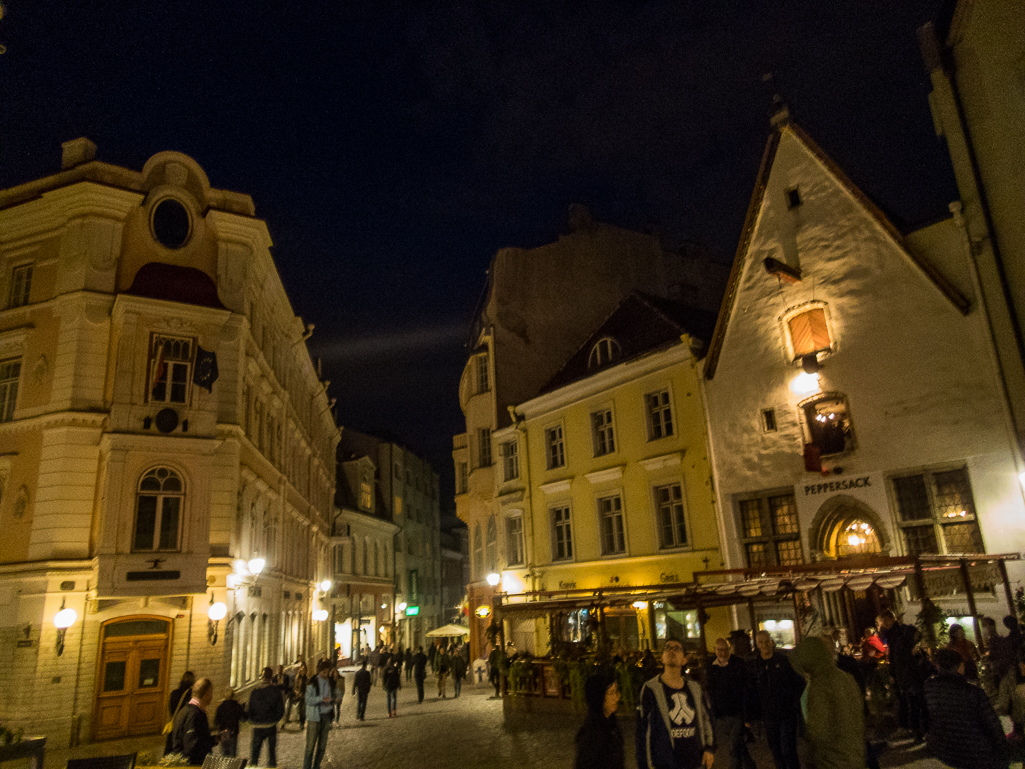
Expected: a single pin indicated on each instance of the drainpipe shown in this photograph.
(991, 344)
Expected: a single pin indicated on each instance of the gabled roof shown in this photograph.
(751, 220)
(641, 323)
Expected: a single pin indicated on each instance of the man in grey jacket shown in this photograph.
(674, 730)
(320, 708)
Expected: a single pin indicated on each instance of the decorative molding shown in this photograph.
(605, 476)
(511, 498)
(663, 461)
(556, 487)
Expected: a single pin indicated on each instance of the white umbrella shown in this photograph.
(448, 631)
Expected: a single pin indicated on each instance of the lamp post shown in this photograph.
(64, 619)
(215, 613)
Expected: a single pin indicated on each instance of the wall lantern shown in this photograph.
(483, 611)
(62, 620)
(493, 579)
(319, 615)
(805, 383)
(216, 612)
(401, 607)
(256, 566)
(640, 605)
(325, 586)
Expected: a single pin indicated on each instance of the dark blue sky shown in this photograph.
(393, 147)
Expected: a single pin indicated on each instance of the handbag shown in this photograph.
(170, 724)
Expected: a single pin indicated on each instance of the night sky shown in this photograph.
(393, 147)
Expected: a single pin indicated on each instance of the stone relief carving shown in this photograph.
(21, 504)
(40, 370)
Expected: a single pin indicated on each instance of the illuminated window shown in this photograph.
(170, 369)
(605, 351)
(937, 513)
(556, 448)
(514, 540)
(829, 423)
(21, 286)
(808, 333)
(769, 530)
(366, 493)
(603, 433)
(158, 510)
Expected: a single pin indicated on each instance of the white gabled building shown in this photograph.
(163, 432)
(846, 346)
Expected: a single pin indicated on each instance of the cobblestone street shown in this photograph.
(461, 733)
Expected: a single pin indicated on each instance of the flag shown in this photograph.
(205, 373)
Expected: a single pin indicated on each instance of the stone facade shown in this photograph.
(163, 426)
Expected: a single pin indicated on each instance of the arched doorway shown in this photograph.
(846, 529)
(131, 682)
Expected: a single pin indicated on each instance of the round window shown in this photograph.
(171, 223)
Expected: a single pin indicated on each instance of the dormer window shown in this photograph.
(808, 332)
(605, 351)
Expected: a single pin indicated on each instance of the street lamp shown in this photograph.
(325, 586)
(256, 566)
(319, 615)
(216, 612)
(64, 619)
(494, 578)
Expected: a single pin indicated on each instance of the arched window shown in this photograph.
(605, 351)
(478, 553)
(158, 511)
(492, 545)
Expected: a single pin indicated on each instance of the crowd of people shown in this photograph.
(690, 709)
(315, 700)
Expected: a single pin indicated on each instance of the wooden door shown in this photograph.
(131, 692)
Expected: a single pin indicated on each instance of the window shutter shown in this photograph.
(809, 333)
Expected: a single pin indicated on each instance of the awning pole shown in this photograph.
(1007, 589)
(797, 619)
(751, 617)
(966, 577)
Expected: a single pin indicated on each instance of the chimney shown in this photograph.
(76, 152)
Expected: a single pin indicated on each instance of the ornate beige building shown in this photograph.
(165, 444)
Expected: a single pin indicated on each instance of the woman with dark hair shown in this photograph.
(959, 643)
(600, 741)
(179, 697)
(302, 679)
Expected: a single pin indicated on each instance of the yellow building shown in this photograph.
(603, 481)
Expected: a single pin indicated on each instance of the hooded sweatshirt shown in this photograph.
(835, 722)
(599, 741)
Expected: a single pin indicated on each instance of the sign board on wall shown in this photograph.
(817, 492)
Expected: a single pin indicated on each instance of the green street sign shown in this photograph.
(412, 611)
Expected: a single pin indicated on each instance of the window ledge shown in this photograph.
(605, 476)
(557, 487)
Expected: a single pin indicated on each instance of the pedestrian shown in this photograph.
(419, 672)
(228, 719)
(361, 685)
(432, 657)
(834, 713)
(649, 665)
(740, 642)
(302, 679)
(968, 651)
(320, 702)
(177, 700)
(266, 708)
(674, 729)
(999, 651)
(600, 740)
(458, 672)
(778, 690)
(495, 660)
(392, 683)
(964, 730)
(375, 659)
(905, 667)
(443, 666)
(872, 647)
(727, 679)
(190, 735)
(1010, 701)
(409, 663)
(338, 684)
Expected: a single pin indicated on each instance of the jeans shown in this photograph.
(393, 700)
(316, 743)
(457, 684)
(361, 706)
(288, 707)
(781, 733)
(442, 678)
(730, 737)
(419, 690)
(270, 734)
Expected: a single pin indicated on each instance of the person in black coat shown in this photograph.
(361, 688)
(727, 688)
(266, 708)
(964, 730)
(228, 719)
(600, 740)
(419, 672)
(190, 734)
(778, 690)
(177, 701)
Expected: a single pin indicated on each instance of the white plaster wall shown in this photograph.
(916, 372)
